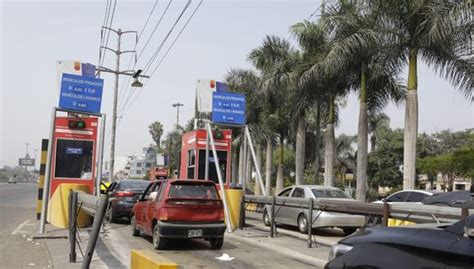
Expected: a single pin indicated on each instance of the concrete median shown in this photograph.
(147, 259)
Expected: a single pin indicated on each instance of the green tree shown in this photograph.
(358, 44)
(273, 60)
(439, 32)
(156, 131)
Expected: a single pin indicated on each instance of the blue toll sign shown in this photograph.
(228, 108)
(81, 93)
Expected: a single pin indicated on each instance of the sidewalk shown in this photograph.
(55, 243)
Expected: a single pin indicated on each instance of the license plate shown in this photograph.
(195, 233)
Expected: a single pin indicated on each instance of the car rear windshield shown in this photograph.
(186, 190)
(134, 185)
(330, 193)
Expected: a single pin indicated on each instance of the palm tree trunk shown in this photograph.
(235, 165)
(317, 158)
(411, 123)
(329, 146)
(279, 182)
(241, 160)
(268, 167)
(259, 161)
(362, 138)
(300, 149)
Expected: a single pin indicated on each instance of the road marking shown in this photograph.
(18, 229)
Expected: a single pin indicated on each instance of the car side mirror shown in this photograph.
(469, 226)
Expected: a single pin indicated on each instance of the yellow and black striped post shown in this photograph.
(44, 158)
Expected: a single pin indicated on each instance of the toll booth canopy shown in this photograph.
(193, 155)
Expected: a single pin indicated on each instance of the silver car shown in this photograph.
(297, 216)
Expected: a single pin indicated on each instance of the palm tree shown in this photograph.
(272, 59)
(438, 31)
(246, 81)
(156, 131)
(358, 44)
(314, 91)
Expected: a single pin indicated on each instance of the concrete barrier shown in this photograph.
(233, 202)
(147, 259)
(58, 214)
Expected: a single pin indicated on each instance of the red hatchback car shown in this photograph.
(180, 208)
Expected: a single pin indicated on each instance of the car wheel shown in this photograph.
(133, 226)
(302, 223)
(216, 242)
(349, 230)
(158, 242)
(109, 215)
(266, 218)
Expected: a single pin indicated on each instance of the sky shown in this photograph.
(35, 34)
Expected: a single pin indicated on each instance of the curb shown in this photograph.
(282, 251)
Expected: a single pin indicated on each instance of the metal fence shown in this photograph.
(93, 206)
(373, 211)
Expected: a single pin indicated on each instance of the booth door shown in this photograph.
(222, 155)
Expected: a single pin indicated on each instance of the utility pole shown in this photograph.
(177, 105)
(135, 74)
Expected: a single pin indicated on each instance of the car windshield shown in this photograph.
(134, 185)
(186, 190)
(330, 193)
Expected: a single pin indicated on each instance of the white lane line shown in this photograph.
(18, 229)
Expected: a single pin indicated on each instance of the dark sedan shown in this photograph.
(123, 196)
(419, 246)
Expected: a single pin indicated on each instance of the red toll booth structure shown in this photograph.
(193, 155)
(74, 152)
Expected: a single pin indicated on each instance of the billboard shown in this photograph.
(26, 162)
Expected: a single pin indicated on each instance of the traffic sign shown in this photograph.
(81, 93)
(228, 108)
(26, 162)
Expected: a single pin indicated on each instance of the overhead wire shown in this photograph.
(108, 32)
(155, 54)
(127, 80)
(164, 56)
(121, 99)
(104, 23)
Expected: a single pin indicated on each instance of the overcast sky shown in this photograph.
(35, 34)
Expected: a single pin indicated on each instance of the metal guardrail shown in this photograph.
(406, 211)
(93, 206)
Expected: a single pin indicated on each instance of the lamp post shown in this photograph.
(177, 105)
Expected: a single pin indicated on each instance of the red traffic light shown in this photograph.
(76, 124)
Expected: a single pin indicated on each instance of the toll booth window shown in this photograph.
(191, 163)
(222, 155)
(74, 159)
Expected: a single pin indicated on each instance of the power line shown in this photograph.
(152, 59)
(155, 54)
(139, 56)
(104, 22)
(164, 56)
(108, 32)
(176, 38)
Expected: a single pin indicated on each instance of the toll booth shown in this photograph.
(193, 155)
(74, 152)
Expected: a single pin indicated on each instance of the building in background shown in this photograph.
(139, 164)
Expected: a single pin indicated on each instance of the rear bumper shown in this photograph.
(122, 208)
(180, 230)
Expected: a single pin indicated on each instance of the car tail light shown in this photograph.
(221, 215)
(164, 214)
(123, 193)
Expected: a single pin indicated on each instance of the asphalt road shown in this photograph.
(197, 253)
(17, 206)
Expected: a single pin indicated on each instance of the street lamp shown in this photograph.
(177, 105)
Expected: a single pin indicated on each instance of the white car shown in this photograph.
(297, 216)
(410, 196)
